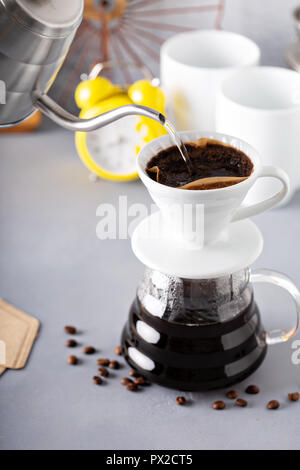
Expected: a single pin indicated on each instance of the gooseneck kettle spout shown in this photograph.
(67, 120)
(35, 39)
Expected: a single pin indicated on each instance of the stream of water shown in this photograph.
(176, 139)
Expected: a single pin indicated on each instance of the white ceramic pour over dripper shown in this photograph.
(199, 218)
(210, 239)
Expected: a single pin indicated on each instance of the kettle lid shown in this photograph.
(54, 18)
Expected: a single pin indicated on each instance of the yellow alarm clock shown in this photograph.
(110, 152)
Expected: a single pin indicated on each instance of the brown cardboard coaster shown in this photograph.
(18, 332)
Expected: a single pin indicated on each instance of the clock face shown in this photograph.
(113, 148)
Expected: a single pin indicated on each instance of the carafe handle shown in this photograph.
(280, 280)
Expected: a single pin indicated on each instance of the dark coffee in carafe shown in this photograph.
(194, 334)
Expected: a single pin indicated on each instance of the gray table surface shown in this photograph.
(53, 266)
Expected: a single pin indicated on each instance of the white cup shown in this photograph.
(262, 106)
(216, 208)
(193, 66)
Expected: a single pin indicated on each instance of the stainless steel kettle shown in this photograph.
(35, 36)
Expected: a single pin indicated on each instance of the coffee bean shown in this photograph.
(126, 381)
(241, 402)
(97, 380)
(273, 405)
(114, 365)
(232, 394)
(71, 343)
(133, 373)
(140, 381)
(219, 405)
(72, 360)
(293, 396)
(132, 387)
(118, 350)
(180, 401)
(103, 362)
(70, 330)
(89, 350)
(252, 389)
(104, 372)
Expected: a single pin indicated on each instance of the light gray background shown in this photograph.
(53, 266)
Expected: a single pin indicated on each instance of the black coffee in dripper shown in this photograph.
(210, 158)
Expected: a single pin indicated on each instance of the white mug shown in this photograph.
(193, 66)
(262, 106)
(219, 207)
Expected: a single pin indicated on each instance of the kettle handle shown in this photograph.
(60, 116)
(280, 280)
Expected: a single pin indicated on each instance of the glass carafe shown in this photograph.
(200, 334)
